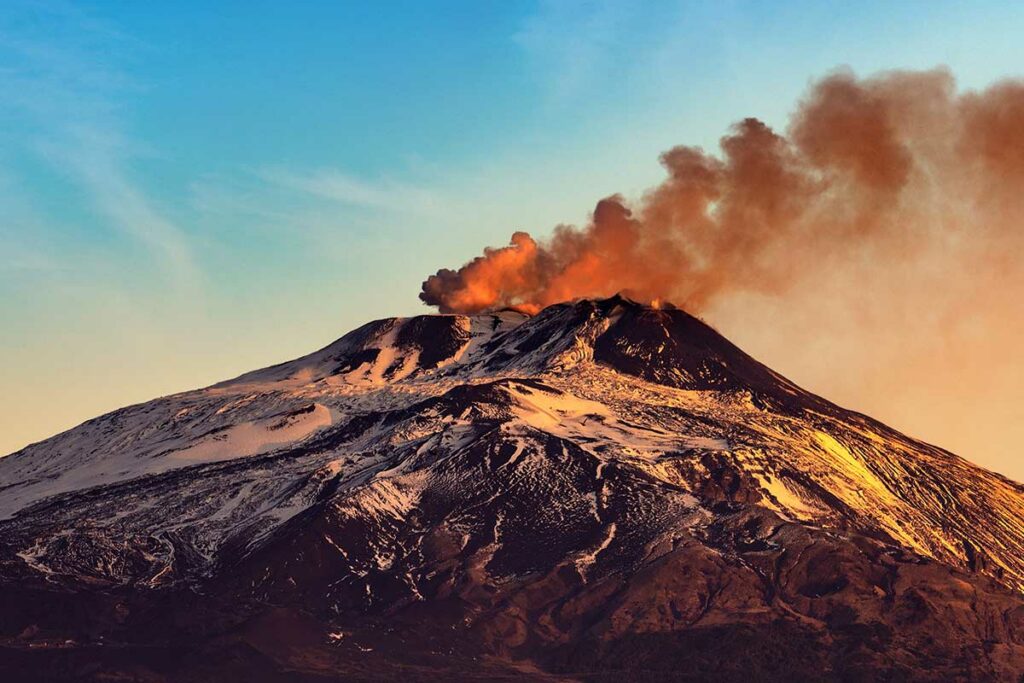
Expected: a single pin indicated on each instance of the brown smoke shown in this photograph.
(894, 173)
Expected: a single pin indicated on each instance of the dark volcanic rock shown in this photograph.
(602, 492)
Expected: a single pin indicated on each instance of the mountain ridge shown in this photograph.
(520, 481)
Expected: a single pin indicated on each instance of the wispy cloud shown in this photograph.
(99, 162)
(61, 85)
(344, 188)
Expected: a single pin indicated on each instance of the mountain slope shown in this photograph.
(604, 485)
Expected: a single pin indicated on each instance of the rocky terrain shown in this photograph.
(603, 491)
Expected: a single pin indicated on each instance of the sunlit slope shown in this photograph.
(536, 488)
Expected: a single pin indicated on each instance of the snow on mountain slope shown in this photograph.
(255, 413)
(439, 458)
(622, 381)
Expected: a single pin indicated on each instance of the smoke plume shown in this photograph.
(896, 173)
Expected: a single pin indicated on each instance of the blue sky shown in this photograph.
(193, 189)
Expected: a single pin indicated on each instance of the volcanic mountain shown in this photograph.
(602, 491)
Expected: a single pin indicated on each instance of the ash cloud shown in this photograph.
(895, 173)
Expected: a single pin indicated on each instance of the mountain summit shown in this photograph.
(605, 489)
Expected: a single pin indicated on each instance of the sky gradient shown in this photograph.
(189, 192)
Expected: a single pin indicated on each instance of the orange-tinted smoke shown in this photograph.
(870, 170)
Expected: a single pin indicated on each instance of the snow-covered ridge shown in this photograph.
(587, 401)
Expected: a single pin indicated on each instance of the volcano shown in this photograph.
(602, 491)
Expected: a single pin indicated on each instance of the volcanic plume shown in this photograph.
(900, 171)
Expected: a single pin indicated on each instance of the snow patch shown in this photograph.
(252, 438)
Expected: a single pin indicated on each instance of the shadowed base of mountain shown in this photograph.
(730, 606)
